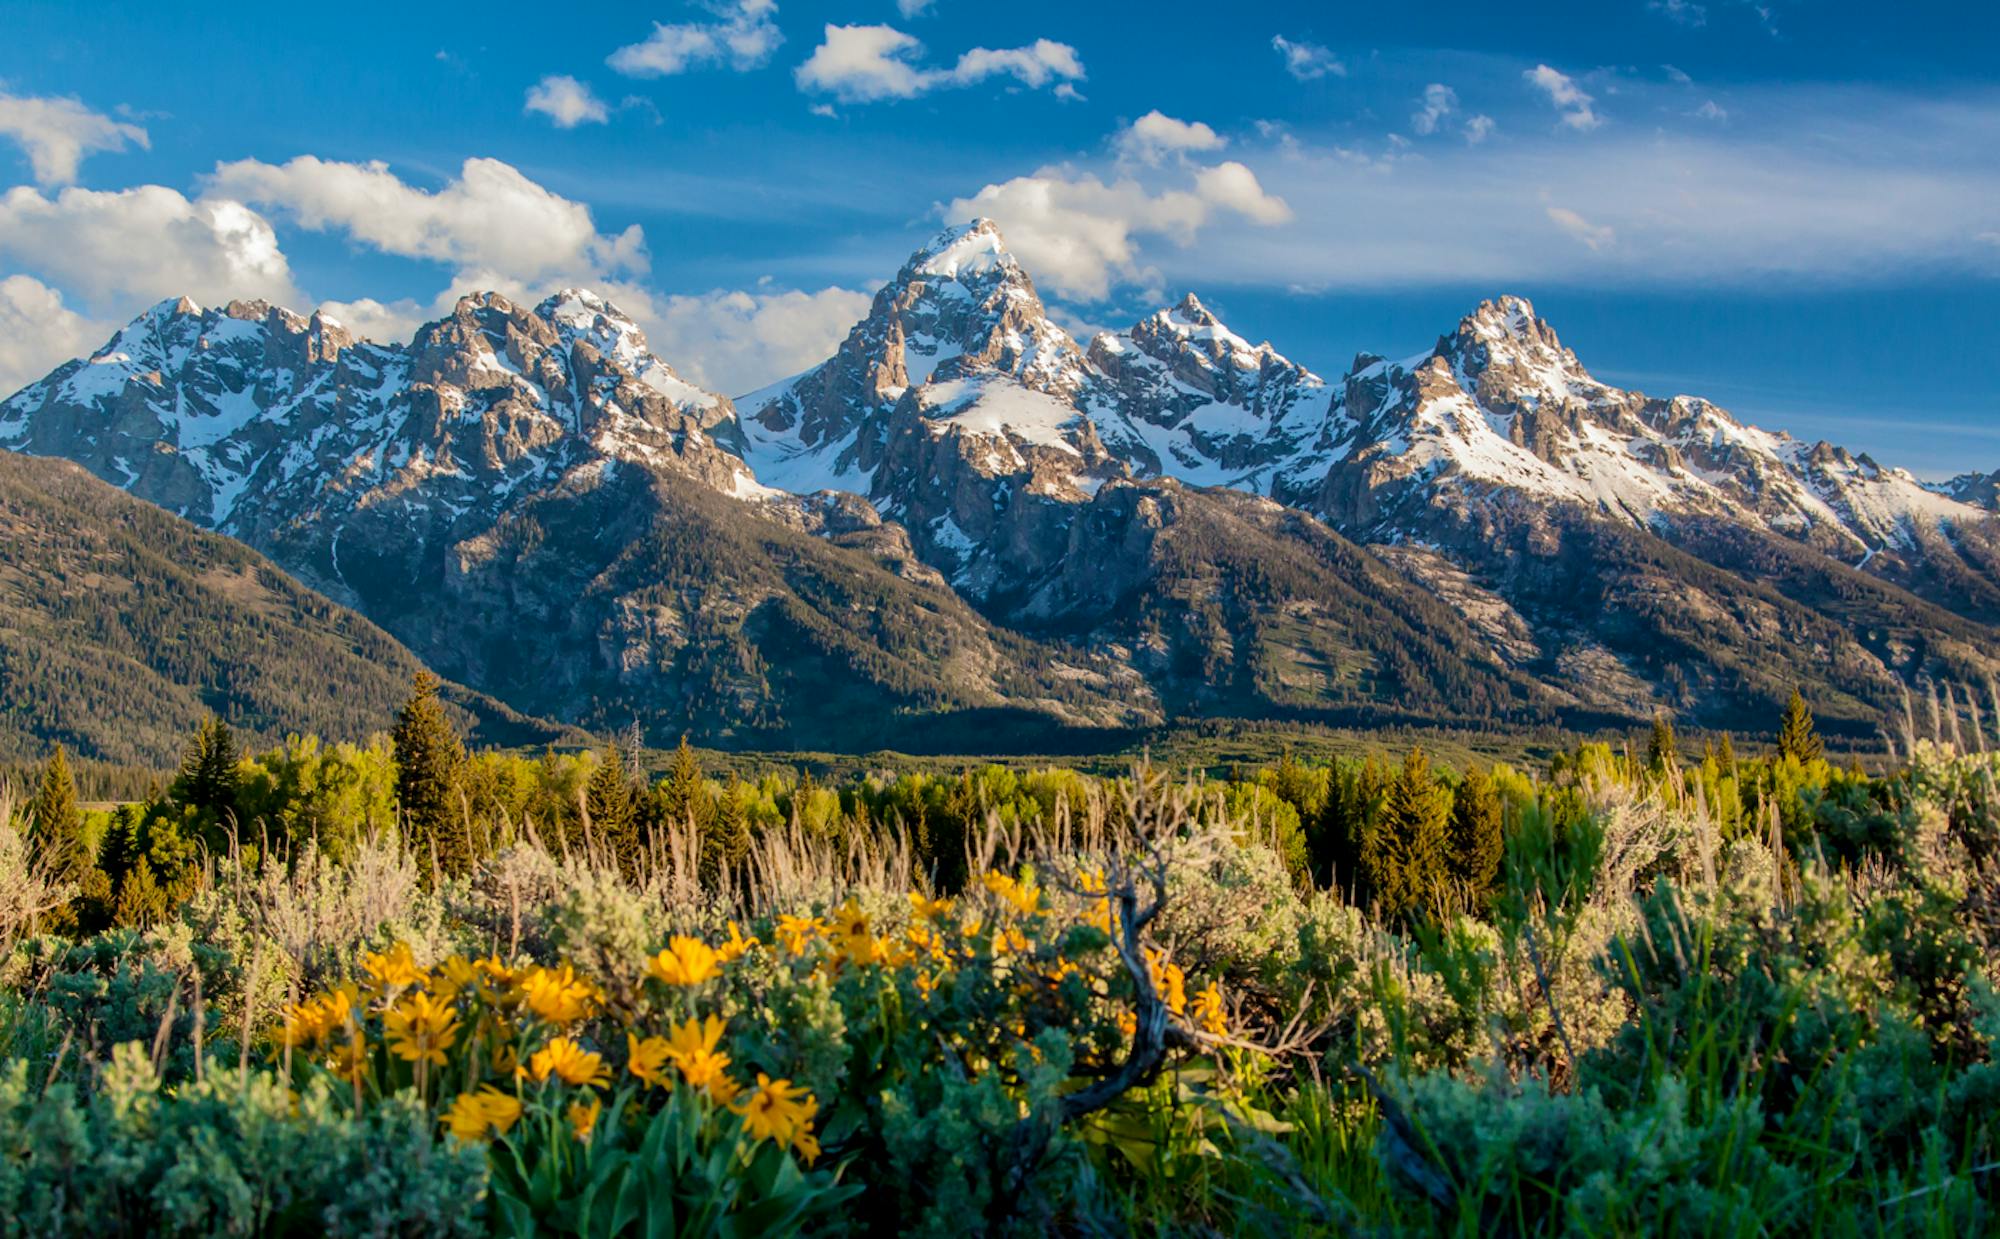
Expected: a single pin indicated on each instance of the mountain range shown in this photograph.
(967, 529)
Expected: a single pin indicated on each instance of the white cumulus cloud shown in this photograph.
(58, 133)
(566, 101)
(736, 341)
(38, 332)
(1081, 234)
(743, 36)
(140, 245)
(494, 226)
(1156, 135)
(863, 64)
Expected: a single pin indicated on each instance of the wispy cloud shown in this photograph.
(1307, 61)
(743, 36)
(1578, 108)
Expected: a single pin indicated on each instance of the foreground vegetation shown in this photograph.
(403, 989)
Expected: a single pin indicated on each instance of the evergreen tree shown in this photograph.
(1411, 854)
(141, 902)
(613, 811)
(1662, 753)
(430, 759)
(208, 778)
(725, 841)
(1796, 737)
(1725, 757)
(683, 794)
(1477, 838)
(55, 824)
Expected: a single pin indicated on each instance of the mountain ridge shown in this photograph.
(976, 464)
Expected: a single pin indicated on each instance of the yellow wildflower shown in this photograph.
(1168, 981)
(737, 946)
(686, 961)
(852, 940)
(558, 995)
(1128, 1025)
(929, 909)
(497, 981)
(1025, 897)
(648, 1060)
(1099, 915)
(570, 1062)
(806, 1145)
(777, 1111)
(1208, 1011)
(318, 1019)
(583, 1117)
(350, 1060)
(692, 1046)
(393, 969)
(421, 1028)
(453, 977)
(482, 1115)
(797, 932)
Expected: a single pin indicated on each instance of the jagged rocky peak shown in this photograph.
(965, 303)
(960, 320)
(581, 317)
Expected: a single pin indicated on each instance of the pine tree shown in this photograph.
(725, 843)
(429, 761)
(141, 903)
(683, 794)
(55, 824)
(1725, 757)
(1412, 848)
(1796, 737)
(1662, 753)
(614, 816)
(1477, 837)
(208, 778)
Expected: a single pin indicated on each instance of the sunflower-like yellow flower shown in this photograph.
(1168, 981)
(497, 981)
(421, 1028)
(737, 946)
(1208, 1010)
(482, 1115)
(778, 1111)
(925, 909)
(692, 1047)
(569, 1062)
(1025, 897)
(648, 1060)
(558, 995)
(350, 1060)
(853, 941)
(453, 977)
(393, 969)
(318, 1019)
(686, 961)
(796, 933)
(583, 1117)
(1128, 1025)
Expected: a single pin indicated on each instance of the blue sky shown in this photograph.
(1792, 208)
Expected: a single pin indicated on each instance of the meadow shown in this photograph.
(402, 989)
